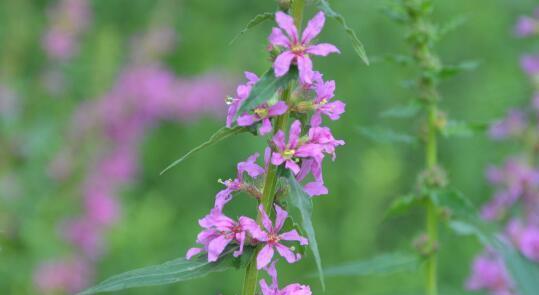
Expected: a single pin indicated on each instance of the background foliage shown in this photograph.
(160, 212)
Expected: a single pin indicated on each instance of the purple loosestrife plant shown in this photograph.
(515, 201)
(294, 156)
(286, 105)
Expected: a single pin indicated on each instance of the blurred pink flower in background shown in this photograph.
(65, 276)
(488, 272)
(68, 20)
(515, 201)
(144, 94)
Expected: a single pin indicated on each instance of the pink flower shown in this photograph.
(242, 92)
(298, 50)
(273, 289)
(84, 234)
(220, 231)
(526, 26)
(251, 168)
(488, 272)
(526, 239)
(64, 276)
(324, 93)
(530, 64)
(263, 113)
(289, 153)
(514, 124)
(322, 136)
(272, 238)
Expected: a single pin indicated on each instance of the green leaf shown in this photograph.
(383, 264)
(170, 272)
(385, 135)
(463, 129)
(449, 71)
(303, 204)
(356, 43)
(451, 25)
(403, 205)
(406, 111)
(524, 273)
(455, 201)
(266, 88)
(218, 136)
(258, 19)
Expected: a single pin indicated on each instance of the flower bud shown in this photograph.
(284, 4)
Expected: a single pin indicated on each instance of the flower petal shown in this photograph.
(316, 119)
(216, 247)
(264, 256)
(192, 252)
(277, 109)
(280, 218)
(295, 132)
(293, 166)
(279, 141)
(286, 22)
(313, 28)
(305, 67)
(222, 198)
(281, 65)
(247, 119)
(322, 49)
(265, 127)
(266, 290)
(277, 38)
(241, 239)
(272, 272)
(251, 77)
(285, 252)
(294, 236)
(315, 188)
(250, 166)
(277, 159)
(266, 221)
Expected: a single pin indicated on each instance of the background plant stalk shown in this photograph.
(421, 40)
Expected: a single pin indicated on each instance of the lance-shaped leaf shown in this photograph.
(170, 272)
(218, 136)
(463, 129)
(258, 19)
(449, 71)
(405, 111)
(383, 264)
(356, 43)
(266, 88)
(303, 203)
(386, 135)
(403, 205)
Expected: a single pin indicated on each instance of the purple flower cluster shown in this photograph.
(300, 152)
(144, 94)
(527, 25)
(515, 201)
(68, 20)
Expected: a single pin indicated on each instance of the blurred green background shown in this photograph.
(160, 213)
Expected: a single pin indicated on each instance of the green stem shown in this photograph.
(432, 212)
(250, 282)
(421, 30)
(432, 261)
